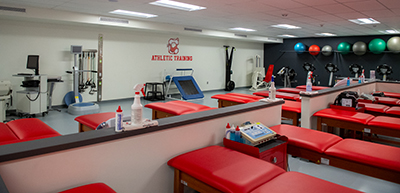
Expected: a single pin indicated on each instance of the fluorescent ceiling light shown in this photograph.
(363, 21)
(325, 34)
(390, 31)
(286, 26)
(242, 29)
(132, 13)
(177, 5)
(287, 36)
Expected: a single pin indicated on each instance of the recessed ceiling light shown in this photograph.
(390, 31)
(286, 26)
(325, 34)
(363, 21)
(177, 5)
(132, 13)
(242, 29)
(287, 36)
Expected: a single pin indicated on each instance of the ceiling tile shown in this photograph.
(365, 5)
(334, 8)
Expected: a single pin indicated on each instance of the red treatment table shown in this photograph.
(91, 121)
(89, 188)
(368, 158)
(229, 99)
(358, 121)
(313, 87)
(283, 95)
(174, 108)
(219, 169)
(291, 90)
(28, 129)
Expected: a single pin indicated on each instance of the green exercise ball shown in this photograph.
(393, 44)
(359, 48)
(377, 46)
(344, 48)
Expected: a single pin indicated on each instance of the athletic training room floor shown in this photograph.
(65, 124)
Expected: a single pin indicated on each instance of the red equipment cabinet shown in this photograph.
(273, 151)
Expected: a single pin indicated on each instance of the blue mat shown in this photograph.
(188, 87)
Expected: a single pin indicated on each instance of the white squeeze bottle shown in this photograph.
(272, 89)
(309, 83)
(137, 107)
(118, 119)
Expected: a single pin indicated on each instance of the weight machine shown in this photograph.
(83, 77)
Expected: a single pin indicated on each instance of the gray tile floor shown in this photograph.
(65, 124)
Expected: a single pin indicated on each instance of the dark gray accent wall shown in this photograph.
(284, 55)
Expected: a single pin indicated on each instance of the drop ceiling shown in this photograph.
(313, 16)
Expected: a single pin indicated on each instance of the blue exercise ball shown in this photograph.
(299, 48)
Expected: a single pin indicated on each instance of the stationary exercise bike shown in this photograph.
(356, 69)
(309, 67)
(384, 70)
(331, 68)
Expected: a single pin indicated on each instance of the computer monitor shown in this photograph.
(33, 63)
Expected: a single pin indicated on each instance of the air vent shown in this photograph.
(241, 35)
(272, 39)
(193, 29)
(114, 20)
(15, 9)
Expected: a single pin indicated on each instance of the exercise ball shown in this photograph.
(326, 50)
(344, 48)
(377, 46)
(299, 48)
(359, 48)
(393, 44)
(314, 50)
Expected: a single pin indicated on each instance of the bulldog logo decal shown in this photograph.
(173, 46)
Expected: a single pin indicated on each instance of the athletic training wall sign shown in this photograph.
(173, 49)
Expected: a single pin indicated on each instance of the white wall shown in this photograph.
(127, 56)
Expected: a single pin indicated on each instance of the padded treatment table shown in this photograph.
(374, 109)
(219, 169)
(229, 99)
(306, 143)
(313, 87)
(7, 136)
(283, 95)
(174, 108)
(28, 129)
(388, 101)
(390, 94)
(357, 121)
(91, 121)
(376, 160)
(295, 182)
(95, 188)
(346, 119)
(291, 90)
(292, 110)
(393, 111)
